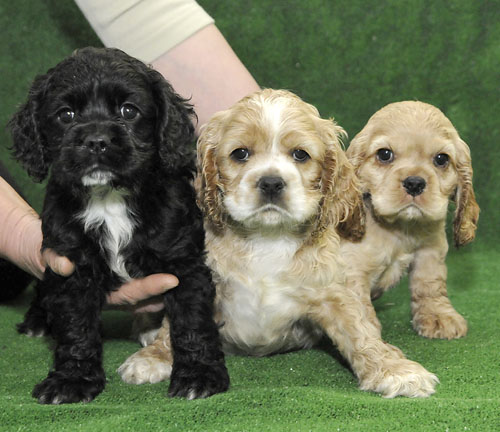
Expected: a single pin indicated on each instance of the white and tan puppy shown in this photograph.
(278, 193)
(411, 163)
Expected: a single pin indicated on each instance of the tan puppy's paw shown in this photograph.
(149, 365)
(147, 337)
(440, 325)
(401, 377)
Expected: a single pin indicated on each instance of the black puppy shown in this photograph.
(119, 204)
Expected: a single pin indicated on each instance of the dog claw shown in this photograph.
(198, 382)
(58, 389)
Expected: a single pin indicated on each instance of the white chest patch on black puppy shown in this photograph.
(107, 209)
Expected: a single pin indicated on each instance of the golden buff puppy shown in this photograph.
(411, 162)
(278, 193)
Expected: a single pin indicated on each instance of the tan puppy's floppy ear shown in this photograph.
(351, 224)
(341, 205)
(207, 183)
(356, 153)
(467, 210)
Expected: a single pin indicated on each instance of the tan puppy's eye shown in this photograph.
(385, 155)
(240, 155)
(300, 155)
(441, 160)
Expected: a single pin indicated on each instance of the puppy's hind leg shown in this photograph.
(35, 319)
(151, 364)
(13, 281)
(433, 314)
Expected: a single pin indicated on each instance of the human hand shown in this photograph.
(143, 295)
(139, 295)
(58, 264)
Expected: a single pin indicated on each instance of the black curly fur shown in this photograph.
(151, 159)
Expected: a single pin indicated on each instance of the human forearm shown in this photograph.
(205, 69)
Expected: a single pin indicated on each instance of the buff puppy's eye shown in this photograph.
(240, 155)
(441, 160)
(66, 115)
(300, 155)
(385, 155)
(129, 111)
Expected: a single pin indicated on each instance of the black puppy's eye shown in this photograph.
(240, 154)
(66, 115)
(441, 160)
(300, 155)
(129, 111)
(385, 155)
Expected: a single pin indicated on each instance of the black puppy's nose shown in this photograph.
(271, 186)
(97, 143)
(414, 185)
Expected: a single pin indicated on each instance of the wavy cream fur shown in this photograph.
(405, 232)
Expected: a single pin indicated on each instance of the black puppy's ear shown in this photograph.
(29, 145)
(175, 130)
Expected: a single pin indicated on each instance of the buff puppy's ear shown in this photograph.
(467, 209)
(30, 147)
(356, 152)
(342, 204)
(208, 187)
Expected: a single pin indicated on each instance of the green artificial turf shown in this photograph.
(349, 58)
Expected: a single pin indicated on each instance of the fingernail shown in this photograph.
(172, 282)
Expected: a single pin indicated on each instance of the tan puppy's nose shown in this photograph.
(414, 185)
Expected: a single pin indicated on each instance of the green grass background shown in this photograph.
(349, 58)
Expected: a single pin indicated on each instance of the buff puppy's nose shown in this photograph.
(414, 185)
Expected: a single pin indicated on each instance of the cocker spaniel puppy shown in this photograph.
(411, 162)
(278, 193)
(120, 204)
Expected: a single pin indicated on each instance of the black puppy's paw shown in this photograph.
(198, 381)
(34, 325)
(59, 388)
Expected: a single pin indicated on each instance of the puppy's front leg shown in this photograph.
(380, 367)
(73, 308)
(199, 369)
(433, 314)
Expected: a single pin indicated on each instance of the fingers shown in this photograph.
(60, 265)
(138, 290)
(144, 291)
(156, 305)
